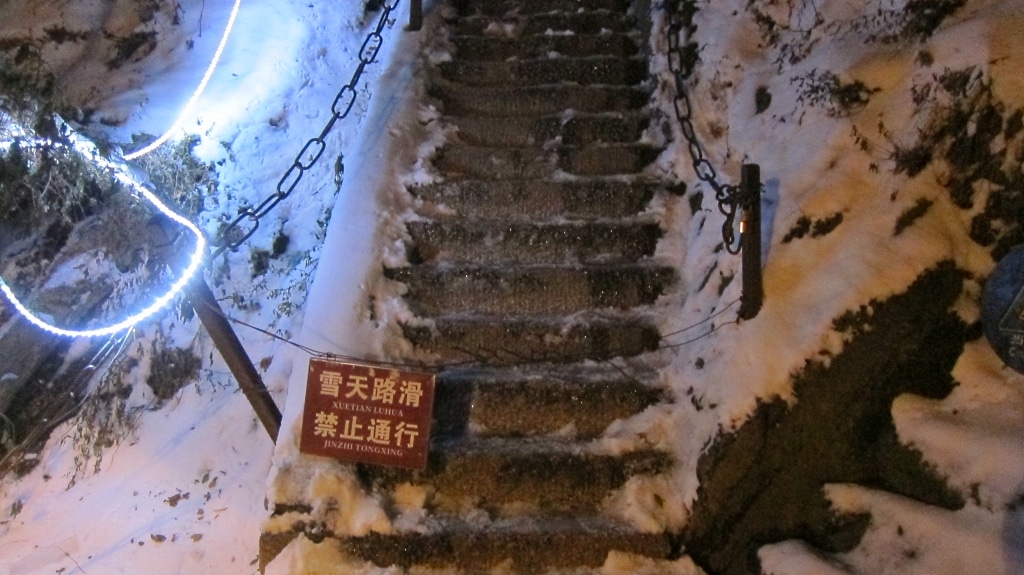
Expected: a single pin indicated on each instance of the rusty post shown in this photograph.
(234, 355)
(415, 15)
(750, 241)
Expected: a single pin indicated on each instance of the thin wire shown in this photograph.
(196, 94)
(315, 352)
(703, 321)
(110, 350)
(698, 338)
(479, 354)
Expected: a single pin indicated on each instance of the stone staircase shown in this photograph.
(538, 271)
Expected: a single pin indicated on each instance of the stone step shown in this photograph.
(519, 546)
(606, 159)
(482, 48)
(494, 242)
(496, 163)
(501, 7)
(620, 127)
(577, 400)
(517, 477)
(531, 163)
(516, 25)
(513, 201)
(529, 290)
(512, 340)
(461, 100)
(575, 130)
(512, 131)
(592, 70)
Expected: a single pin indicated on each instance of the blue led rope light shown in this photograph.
(196, 94)
(122, 174)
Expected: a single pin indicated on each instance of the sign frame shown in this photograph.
(360, 413)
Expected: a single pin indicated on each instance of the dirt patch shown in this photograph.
(763, 483)
(172, 369)
(51, 396)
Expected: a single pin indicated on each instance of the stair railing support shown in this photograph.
(415, 15)
(230, 348)
(750, 241)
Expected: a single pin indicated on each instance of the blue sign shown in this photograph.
(1002, 309)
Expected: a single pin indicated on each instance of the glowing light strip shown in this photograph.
(196, 94)
(123, 175)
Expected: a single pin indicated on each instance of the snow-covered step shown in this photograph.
(475, 47)
(460, 242)
(576, 400)
(540, 199)
(502, 7)
(611, 70)
(506, 340)
(606, 160)
(517, 24)
(514, 131)
(528, 163)
(460, 99)
(501, 163)
(517, 476)
(575, 130)
(531, 289)
(583, 129)
(477, 544)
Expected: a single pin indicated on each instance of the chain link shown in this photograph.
(727, 195)
(235, 233)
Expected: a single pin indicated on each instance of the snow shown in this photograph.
(153, 506)
(975, 437)
(183, 489)
(906, 536)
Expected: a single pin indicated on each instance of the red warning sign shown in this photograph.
(365, 414)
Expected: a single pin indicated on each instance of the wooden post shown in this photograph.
(750, 241)
(234, 355)
(415, 15)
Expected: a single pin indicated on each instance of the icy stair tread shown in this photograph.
(530, 289)
(578, 129)
(533, 545)
(582, 400)
(530, 162)
(597, 243)
(475, 48)
(540, 100)
(499, 8)
(518, 201)
(556, 339)
(584, 70)
(515, 23)
(539, 474)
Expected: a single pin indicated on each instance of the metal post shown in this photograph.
(415, 15)
(750, 241)
(234, 355)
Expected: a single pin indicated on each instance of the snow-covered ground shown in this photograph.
(183, 490)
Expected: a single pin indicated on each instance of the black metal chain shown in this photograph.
(727, 195)
(234, 235)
